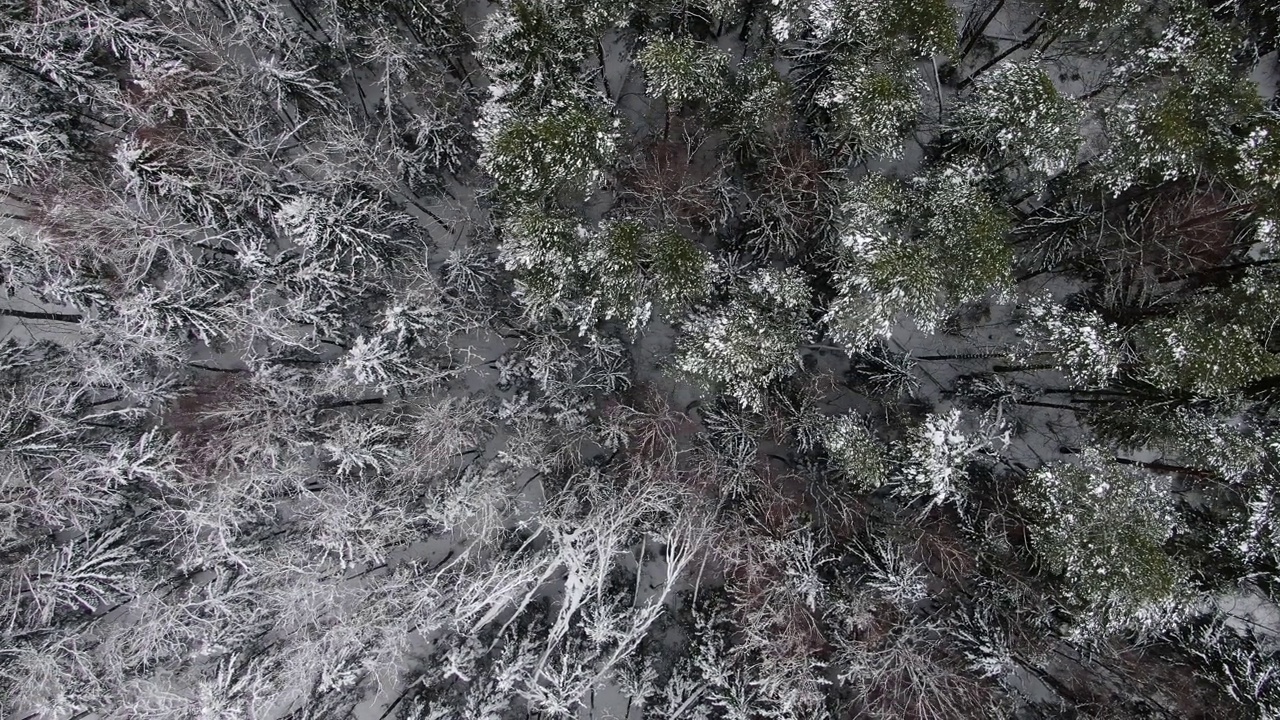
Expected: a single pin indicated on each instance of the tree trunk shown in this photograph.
(1052, 406)
(30, 315)
(977, 32)
(1032, 274)
(1091, 391)
(350, 403)
(961, 356)
(604, 76)
(749, 14)
(1165, 467)
(210, 368)
(1019, 368)
(1030, 39)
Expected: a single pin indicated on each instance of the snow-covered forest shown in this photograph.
(628, 359)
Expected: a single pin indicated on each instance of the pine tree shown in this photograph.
(1183, 354)
(534, 49)
(681, 71)
(757, 106)
(1103, 526)
(1016, 114)
(1180, 352)
(752, 341)
(892, 261)
(855, 452)
(935, 460)
(559, 152)
(872, 107)
(1087, 349)
(633, 269)
(1184, 94)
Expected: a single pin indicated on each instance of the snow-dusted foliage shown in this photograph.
(1241, 661)
(598, 359)
(561, 150)
(619, 271)
(544, 250)
(855, 452)
(1186, 96)
(1102, 526)
(758, 105)
(1259, 160)
(633, 270)
(900, 27)
(532, 49)
(914, 251)
(872, 108)
(1088, 350)
(681, 70)
(935, 461)
(1015, 112)
(1209, 359)
(32, 134)
(1089, 18)
(752, 342)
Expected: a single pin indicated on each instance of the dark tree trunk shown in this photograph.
(31, 315)
(1027, 42)
(978, 31)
